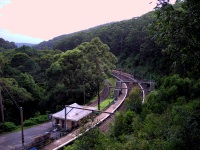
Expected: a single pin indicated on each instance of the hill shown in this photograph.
(25, 44)
(50, 44)
(116, 35)
(6, 44)
(161, 46)
(124, 38)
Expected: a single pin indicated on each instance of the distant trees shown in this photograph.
(167, 50)
(51, 78)
(21, 75)
(167, 37)
(6, 44)
(128, 40)
(3, 61)
(169, 119)
(123, 37)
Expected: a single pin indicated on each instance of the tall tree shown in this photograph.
(102, 61)
(2, 62)
(79, 70)
(177, 27)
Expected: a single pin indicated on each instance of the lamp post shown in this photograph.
(84, 90)
(22, 124)
(65, 122)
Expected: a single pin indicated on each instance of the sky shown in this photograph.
(33, 21)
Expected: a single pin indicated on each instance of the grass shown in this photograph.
(105, 103)
(110, 82)
(37, 121)
(16, 130)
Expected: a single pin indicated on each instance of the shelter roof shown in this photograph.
(74, 114)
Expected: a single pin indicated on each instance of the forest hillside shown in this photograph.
(162, 46)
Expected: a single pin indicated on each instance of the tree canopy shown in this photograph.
(162, 45)
(85, 66)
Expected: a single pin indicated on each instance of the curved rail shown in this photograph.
(99, 119)
(120, 73)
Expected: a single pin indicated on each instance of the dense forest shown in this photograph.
(46, 80)
(169, 119)
(162, 45)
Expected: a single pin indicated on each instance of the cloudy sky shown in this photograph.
(33, 21)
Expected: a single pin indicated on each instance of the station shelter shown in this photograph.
(74, 114)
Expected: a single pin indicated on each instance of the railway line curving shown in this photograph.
(100, 118)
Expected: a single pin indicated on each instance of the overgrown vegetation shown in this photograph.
(161, 123)
(47, 80)
(10, 126)
(169, 119)
(106, 103)
(161, 46)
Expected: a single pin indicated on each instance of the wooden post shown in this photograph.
(84, 91)
(22, 124)
(21, 113)
(65, 117)
(98, 96)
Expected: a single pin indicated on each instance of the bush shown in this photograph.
(29, 123)
(36, 120)
(9, 126)
(41, 119)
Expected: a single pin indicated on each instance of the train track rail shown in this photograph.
(127, 78)
(121, 76)
(103, 120)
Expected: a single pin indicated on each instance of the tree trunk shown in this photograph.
(1, 106)
(98, 96)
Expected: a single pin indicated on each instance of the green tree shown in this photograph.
(134, 101)
(26, 81)
(79, 70)
(92, 139)
(27, 50)
(19, 59)
(102, 61)
(177, 28)
(3, 61)
(6, 44)
(123, 124)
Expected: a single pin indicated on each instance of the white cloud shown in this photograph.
(4, 2)
(18, 38)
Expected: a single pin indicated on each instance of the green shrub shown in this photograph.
(37, 114)
(29, 123)
(36, 120)
(9, 126)
(41, 119)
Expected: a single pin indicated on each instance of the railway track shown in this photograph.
(121, 76)
(103, 95)
(127, 77)
(101, 120)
